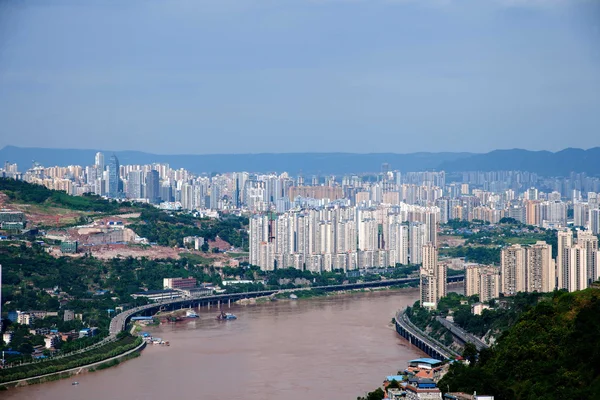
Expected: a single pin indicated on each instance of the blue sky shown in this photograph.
(238, 76)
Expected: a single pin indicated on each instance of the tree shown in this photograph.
(470, 353)
(394, 384)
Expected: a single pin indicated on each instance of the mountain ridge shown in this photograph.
(542, 162)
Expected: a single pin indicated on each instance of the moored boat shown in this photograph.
(225, 316)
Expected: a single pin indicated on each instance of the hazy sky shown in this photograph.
(233, 76)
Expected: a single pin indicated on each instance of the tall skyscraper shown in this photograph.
(565, 242)
(513, 270)
(594, 221)
(134, 184)
(589, 244)
(99, 161)
(433, 277)
(152, 186)
(417, 240)
(114, 181)
(541, 274)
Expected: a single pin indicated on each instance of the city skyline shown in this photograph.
(349, 76)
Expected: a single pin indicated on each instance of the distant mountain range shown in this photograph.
(544, 163)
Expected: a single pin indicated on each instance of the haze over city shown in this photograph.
(207, 77)
(300, 199)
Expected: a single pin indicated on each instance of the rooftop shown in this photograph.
(431, 361)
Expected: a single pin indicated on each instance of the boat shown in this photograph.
(225, 316)
(75, 383)
(293, 296)
(191, 314)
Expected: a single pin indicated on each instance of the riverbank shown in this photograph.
(96, 366)
(332, 336)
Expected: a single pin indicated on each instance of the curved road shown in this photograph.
(463, 335)
(431, 342)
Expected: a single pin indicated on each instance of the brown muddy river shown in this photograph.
(329, 348)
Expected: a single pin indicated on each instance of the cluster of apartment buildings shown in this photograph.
(338, 236)
(533, 269)
(488, 196)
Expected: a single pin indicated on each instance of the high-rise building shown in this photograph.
(134, 184)
(541, 274)
(152, 191)
(489, 284)
(513, 270)
(594, 221)
(565, 242)
(397, 242)
(215, 196)
(588, 242)
(114, 180)
(432, 277)
(483, 281)
(99, 161)
(416, 241)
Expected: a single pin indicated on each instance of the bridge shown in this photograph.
(119, 322)
(462, 335)
(420, 339)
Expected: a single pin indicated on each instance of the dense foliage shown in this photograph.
(98, 354)
(169, 229)
(480, 254)
(24, 192)
(551, 352)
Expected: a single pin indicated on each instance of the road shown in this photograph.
(463, 335)
(413, 329)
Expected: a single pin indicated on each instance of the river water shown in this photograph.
(336, 347)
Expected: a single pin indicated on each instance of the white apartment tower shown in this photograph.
(433, 277)
(483, 281)
(513, 270)
(541, 273)
(565, 242)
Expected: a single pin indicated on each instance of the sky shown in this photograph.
(255, 76)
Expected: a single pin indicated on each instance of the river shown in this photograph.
(338, 347)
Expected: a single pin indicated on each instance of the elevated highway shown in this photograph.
(119, 322)
(418, 338)
(462, 335)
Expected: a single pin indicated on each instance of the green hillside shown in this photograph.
(552, 352)
(23, 192)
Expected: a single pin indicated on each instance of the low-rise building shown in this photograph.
(7, 337)
(179, 283)
(478, 308)
(158, 295)
(40, 331)
(422, 389)
(64, 336)
(24, 318)
(50, 341)
(69, 315)
(69, 247)
(196, 241)
(88, 332)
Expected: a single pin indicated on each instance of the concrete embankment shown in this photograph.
(76, 371)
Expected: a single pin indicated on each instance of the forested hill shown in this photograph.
(23, 192)
(552, 352)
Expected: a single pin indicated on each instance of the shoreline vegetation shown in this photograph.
(109, 355)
